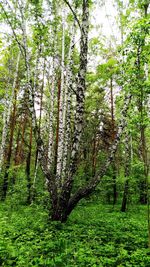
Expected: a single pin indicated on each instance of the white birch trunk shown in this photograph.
(51, 115)
(7, 113)
(67, 104)
(64, 207)
(52, 76)
(29, 90)
(61, 123)
(31, 94)
(80, 96)
(34, 90)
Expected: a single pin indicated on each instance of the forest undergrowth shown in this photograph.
(94, 235)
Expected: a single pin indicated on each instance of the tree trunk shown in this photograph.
(64, 202)
(61, 111)
(67, 108)
(28, 164)
(51, 115)
(94, 155)
(63, 205)
(125, 196)
(7, 114)
(127, 172)
(9, 152)
(40, 121)
(113, 138)
(57, 126)
(114, 183)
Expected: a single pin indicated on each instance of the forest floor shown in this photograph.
(94, 235)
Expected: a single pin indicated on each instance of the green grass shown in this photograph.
(95, 235)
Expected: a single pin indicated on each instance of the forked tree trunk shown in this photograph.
(64, 202)
(64, 207)
(59, 212)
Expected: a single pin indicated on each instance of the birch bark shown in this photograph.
(61, 111)
(36, 76)
(29, 91)
(80, 95)
(51, 115)
(67, 104)
(40, 115)
(113, 137)
(7, 113)
(60, 212)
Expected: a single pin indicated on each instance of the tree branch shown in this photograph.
(95, 180)
(13, 31)
(74, 14)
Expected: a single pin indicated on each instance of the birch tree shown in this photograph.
(67, 104)
(61, 108)
(61, 166)
(7, 113)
